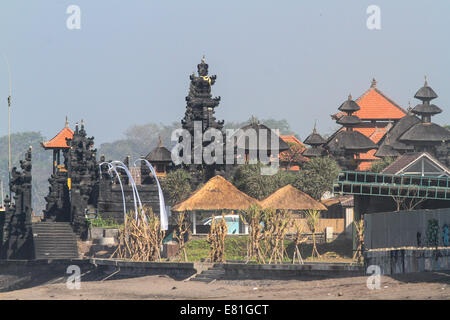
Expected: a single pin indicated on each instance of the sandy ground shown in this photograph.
(433, 285)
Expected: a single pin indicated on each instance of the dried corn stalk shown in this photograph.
(298, 239)
(253, 217)
(312, 220)
(183, 227)
(275, 228)
(216, 239)
(359, 227)
(141, 238)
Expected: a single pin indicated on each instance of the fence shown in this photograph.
(404, 228)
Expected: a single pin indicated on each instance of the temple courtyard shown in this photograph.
(426, 285)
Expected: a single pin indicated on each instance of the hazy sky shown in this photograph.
(130, 61)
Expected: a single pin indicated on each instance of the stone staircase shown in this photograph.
(216, 272)
(54, 240)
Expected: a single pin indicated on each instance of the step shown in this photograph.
(213, 272)
(54, 240)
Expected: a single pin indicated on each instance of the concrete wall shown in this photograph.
(408, 260)
(399, 229)
(18, 274)
(307, 271)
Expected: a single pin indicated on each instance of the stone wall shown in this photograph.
(110, 203)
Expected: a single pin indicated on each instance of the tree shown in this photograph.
(317, 176)
(292, 156)
(249, 180)
(176, 186)
(379, 165)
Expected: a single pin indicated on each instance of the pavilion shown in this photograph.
(59, 143)
(215, 197)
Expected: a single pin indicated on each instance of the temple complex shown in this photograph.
(80, 186)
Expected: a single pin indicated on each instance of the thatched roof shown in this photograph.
(216, 194)
(290, 198)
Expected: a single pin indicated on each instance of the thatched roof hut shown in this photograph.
(290, 198)
(216, 195)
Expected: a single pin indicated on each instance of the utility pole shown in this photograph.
(9, 122)
(1, 193)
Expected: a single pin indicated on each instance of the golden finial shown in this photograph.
(67, 122)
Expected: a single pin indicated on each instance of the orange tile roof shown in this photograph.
(59, 141)
(369, 155)
(294, 140)
(364, 165)
(375, 105)
(373, 133)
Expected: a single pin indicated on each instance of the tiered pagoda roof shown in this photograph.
(316, 142)
(349, 139)
(425, 132)
(159, 154)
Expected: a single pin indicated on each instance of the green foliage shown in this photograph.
(176, 186)
(379, 165)
(236, 249)
(433, 233)
(248, 179)
(99, 222)
(317, 176)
